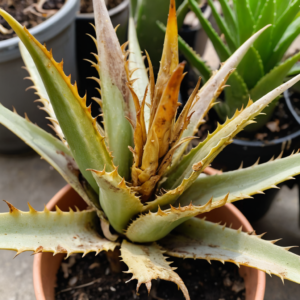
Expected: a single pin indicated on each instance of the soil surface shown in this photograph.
(28, 12)
(90, 278)
(86, 6)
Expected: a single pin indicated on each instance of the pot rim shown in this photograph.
(37, 262)
(45, 31)
(112, 12)
(290, 106)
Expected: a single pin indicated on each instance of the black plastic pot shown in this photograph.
(248, 152)
(85, 45)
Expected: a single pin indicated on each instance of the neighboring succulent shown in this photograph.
(149, 192)
(260, 71)
(145, 14)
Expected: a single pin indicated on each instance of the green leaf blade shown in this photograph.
(50, 148)
(205, 240)
(284, 21)
(223, 27)
(221, 49)
(245, 20)
(87, 145)
(57, 232)
(241, 184)
(250, 69)
(146, 262)
(118, 104)
(117, 201)
(230, 19)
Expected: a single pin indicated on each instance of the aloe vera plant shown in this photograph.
(262, 68)
(146, 14)
(131, 170)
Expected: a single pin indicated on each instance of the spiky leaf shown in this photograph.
(116, 199)
(154, 226)
(230, 19)
(40, 90)
(146, 262)
(221, 49)
(288, 38)
(116, 99)
(223, 27)
(51, 149)
(241, 183)
(264, 42)
(199, 157)
(86, 144)
(211, 90)
(57, 232)
(245, 20)
(201, 239)
(284, 21)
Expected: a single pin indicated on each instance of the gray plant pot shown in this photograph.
(85, 46)
(58, 32)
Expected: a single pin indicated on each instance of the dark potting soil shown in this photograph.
(28, 12)
(86, 6)
(90, 278)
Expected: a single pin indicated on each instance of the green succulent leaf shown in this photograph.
(117, 201)
(236, 96)
(281, 6)
(136, 62)
(274, 78)
(146, 262)
(259, 6)
(201, 156)
(41, 91)
(295, 70)
(268, 82)
(117, 103)
(251, 70)
(242, 183)
(181, 12)
(205, 240)
(263, 43)
(221, 49)
(288, 38)
(284, 21)
(154, 226)
(245, 20)
(211, 91)
(52, 150)
(230, 19)
(86, 144)
(57, 232)
(223, 27)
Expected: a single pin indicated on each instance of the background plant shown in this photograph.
(131, 170)
(261, 69)
(145, 14)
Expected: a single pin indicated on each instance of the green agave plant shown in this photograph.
(132, 172)
(261, 69)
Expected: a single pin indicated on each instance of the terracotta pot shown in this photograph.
(45, 265)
